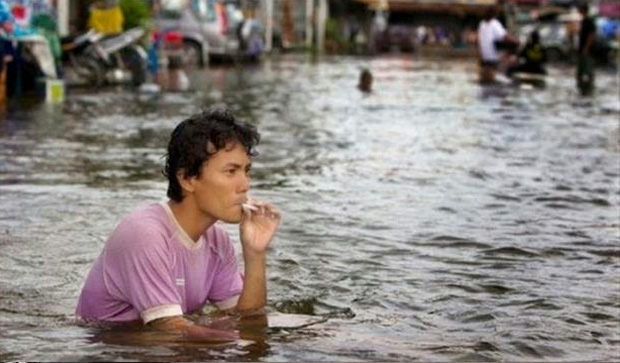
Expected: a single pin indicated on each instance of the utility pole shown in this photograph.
(309, 25)
(321, 24)
(62, 13)
(269, 26)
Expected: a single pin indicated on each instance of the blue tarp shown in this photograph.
(5, 12)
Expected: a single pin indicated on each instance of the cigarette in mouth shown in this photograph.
(249, 206)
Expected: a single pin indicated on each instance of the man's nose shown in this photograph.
(245, 183)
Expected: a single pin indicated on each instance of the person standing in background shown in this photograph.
(585, 63)
(490, 33)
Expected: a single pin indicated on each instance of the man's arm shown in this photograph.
(511, 39)
(257, 229)
(503, 34)
(189, 330)
(254, 294)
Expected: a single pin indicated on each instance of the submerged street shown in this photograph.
(433, 219)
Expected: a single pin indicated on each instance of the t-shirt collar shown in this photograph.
(183, 237)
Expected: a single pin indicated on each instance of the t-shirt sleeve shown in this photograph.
(228, 282)
(499, 32)
(138, 270)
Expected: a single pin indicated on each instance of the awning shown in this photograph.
(610, 9)
(444, 6)
(377, 4)
(529, 2)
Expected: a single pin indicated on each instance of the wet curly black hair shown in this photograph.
(199, 137)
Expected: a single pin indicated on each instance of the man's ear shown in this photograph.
(186, 182)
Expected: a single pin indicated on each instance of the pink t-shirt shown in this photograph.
(150, 268)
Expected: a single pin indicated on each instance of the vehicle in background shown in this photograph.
(608, 44)
(560, 46)
(398, 37)
(211, 29)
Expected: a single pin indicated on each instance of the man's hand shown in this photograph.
(250, 327)
(258, 226)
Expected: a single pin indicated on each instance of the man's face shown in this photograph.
(223, 184)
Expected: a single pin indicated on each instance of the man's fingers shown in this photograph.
(270, 210)
(260, 208)
(273, 212)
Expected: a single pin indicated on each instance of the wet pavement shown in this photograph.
(433, 219)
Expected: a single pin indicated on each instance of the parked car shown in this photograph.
(399, 37)
(210, 28)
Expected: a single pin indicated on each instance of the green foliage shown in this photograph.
(332, 30)
(334, 40)
(135, 12)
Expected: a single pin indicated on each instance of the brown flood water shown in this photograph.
(433, 219)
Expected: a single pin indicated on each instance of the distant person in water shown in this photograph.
(491, 34)
(365, 82)
(168, 259)
(585, 65)
(532, 57)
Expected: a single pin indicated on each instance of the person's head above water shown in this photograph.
(365, 82)
(198, 138)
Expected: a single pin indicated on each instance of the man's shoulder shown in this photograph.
(150, 214)
(147, 220)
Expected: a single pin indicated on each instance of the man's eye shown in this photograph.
(229, 171)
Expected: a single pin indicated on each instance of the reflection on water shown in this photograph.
(432, 219)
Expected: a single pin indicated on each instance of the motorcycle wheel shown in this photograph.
(91, 70)
(136, 64)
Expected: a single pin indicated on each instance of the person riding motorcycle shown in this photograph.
(531, 58)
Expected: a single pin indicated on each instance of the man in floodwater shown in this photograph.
(491, 33)
(532, 57)
(168, 259)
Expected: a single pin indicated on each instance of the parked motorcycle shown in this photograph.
(98, 60)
